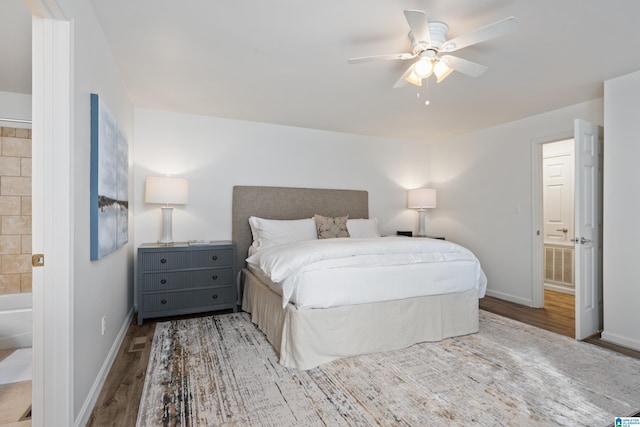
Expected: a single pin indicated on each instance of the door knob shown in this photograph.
(581, 240)
(564, 230)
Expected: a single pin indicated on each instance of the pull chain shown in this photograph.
(426, 93)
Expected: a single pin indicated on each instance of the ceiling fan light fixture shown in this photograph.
(441, 70)
(414, 79)
(423, 68)
(428, 43)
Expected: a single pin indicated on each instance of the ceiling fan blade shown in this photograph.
(388, 57)
(419, 25)
(487, 32)
(401, 82)
(463, 66)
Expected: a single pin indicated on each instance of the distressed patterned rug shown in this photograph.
(221, 371)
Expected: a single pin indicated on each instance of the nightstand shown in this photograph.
(410, 234)
(185, 279)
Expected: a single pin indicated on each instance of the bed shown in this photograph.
(307, 334)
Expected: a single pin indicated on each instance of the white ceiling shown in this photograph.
(284, 61)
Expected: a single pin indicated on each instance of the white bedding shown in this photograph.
(334, 272)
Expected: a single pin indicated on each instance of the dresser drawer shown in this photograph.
(171, 260)
(199, 299)
(172, 280)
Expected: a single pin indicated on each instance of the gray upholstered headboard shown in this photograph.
(289, 203)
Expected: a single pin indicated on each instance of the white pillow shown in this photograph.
(271, 232)
(363, 228)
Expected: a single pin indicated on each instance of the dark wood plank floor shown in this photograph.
(558, 314)
(117, 405)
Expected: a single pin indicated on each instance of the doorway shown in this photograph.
(16, 300)
(558, 232)
(567, 254)
(558, 215)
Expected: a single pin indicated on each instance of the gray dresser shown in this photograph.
(184, 279)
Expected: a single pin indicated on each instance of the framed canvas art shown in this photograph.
(109, 182)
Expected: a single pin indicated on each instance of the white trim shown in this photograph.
(52, 135)
(620, 340)
(508, 297)
(559, 288)
(537, 219)
(85, 412)
(537, 293)
(4, 119)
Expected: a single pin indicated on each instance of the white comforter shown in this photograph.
(291, 261)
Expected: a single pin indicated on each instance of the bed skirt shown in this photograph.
(306, 338)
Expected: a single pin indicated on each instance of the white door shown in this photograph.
(588, 220)
(558, 215)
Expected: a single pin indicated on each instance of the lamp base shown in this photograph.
(167, 219)
(422, 213)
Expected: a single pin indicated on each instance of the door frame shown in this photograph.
(537, 215)
(52, 214)
(537, 218)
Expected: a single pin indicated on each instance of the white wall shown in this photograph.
(15, 106)
(215, 154)
(104, 287)
(483, 179)
(485, 194)
(621, 270)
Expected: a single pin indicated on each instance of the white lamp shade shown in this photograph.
(423, 68)
(166, 190)
(421, 198)
(441, 70)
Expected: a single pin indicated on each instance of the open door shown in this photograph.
(588, 223)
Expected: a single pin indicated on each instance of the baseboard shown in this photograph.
(558, 288)
(620, 340)
(509, 297)
(85, 412)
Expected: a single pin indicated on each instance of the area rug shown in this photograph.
(221, 371)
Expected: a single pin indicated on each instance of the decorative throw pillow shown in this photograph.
(329, 227)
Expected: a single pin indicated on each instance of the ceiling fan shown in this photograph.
(428, 43)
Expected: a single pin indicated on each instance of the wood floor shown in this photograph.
(558, 314)
(119, 399)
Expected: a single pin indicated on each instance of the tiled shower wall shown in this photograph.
(15, 210)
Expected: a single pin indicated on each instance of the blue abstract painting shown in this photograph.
(109, 182)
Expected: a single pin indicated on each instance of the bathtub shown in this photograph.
(15, 320)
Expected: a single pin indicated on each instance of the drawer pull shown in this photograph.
(214, 277)
(214, 296)
(163, 281)
(164, 301)
(215, 257)
(163, 261)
